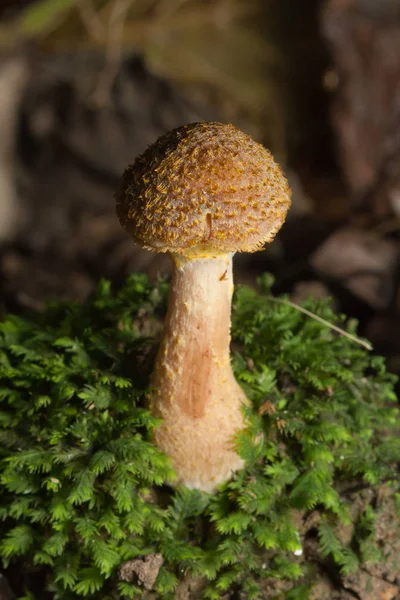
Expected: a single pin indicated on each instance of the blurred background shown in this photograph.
(85, 85)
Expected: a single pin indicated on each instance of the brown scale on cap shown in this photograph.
(207, 187)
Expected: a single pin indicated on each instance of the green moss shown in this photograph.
(82, 485)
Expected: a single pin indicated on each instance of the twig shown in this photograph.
(354, 338)
(91, 20)
(113, 49)
(165, 8)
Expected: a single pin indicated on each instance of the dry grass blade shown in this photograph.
(350, 336)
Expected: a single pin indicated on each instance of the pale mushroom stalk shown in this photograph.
(201, 192)
(194, 388)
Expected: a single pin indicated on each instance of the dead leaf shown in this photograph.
(362, 261)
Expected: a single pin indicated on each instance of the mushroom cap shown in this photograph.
(202, 189)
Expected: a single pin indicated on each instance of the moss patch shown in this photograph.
(82, 492)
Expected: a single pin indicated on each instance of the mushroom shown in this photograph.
(201, 193)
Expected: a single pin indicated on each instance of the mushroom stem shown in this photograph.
(193, 386)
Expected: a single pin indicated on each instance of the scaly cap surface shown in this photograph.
(203, 188)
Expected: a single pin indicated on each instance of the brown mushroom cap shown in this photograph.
(203, 188)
